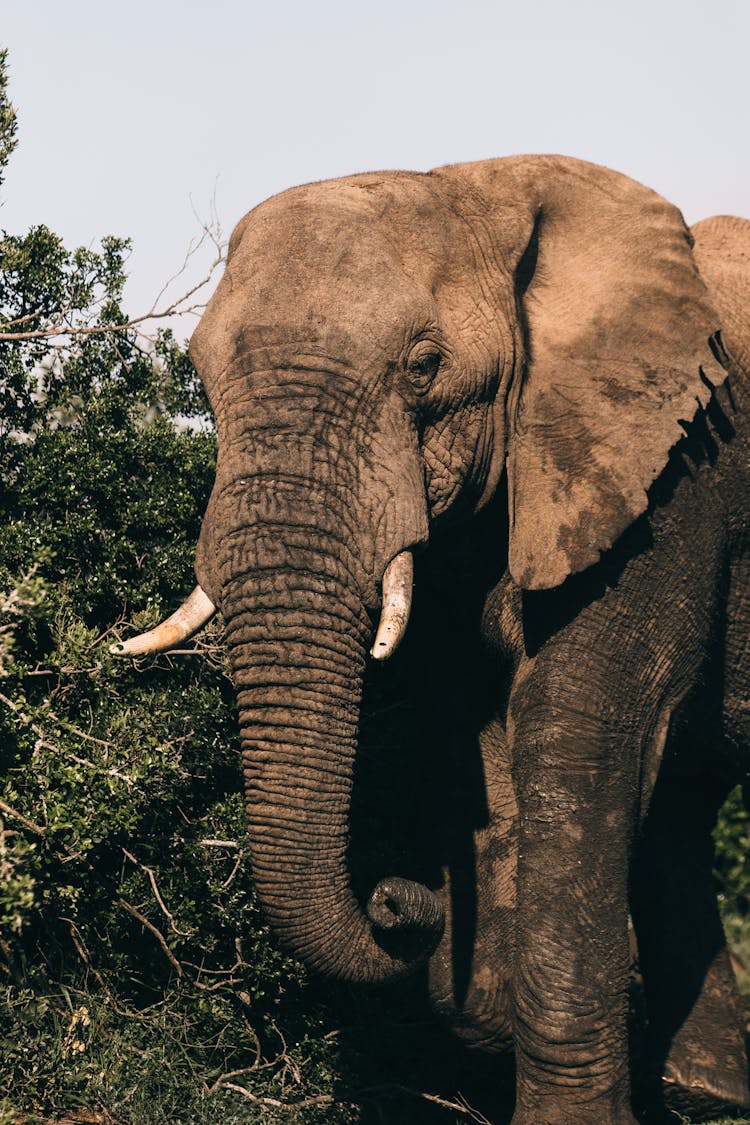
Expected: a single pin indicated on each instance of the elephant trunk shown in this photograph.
(298, 642)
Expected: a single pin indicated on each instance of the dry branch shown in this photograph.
(157, 934)
(62, 327)
(458, 1106)
(157, 895)
(16, 815)
(257, 1099)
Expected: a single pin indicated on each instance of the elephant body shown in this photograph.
(649, 657)
(523, 373)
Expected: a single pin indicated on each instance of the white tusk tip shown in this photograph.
(396, 604)
(188, 619)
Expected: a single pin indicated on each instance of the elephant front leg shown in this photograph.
(570, 981)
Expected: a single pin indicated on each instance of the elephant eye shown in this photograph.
(422, 368)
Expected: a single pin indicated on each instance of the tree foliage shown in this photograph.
(8, 122)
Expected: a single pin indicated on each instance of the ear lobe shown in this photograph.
(619, 352)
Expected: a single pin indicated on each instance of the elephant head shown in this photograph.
(381, 350)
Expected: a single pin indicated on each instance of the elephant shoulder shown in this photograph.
(722, 252)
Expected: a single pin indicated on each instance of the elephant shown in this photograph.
(515, 393)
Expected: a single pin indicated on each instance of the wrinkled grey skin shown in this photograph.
(495, 365)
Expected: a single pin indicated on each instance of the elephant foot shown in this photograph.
(705, 1093)
(695, 1094)
(553, 1112)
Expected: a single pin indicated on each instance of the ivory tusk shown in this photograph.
(394, 614)
(188, 619)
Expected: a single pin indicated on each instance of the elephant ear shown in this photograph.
(620, 354)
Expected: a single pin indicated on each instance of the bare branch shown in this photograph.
(304, 1103)
(223, 1078)
(109, 771)
(157, 934)
(12, 706)
(230, 877)
(75, 934)
(460, 1105)
(178, 306)
(152, 880)
(210, 232)
(16, 815)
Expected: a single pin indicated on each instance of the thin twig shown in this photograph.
(212, 972)
(460, 1106)
(152, 880)
(43, 740)
(213, 234)
(110, 771)
(10, 811)
(75, 934)
(230, 1074)
(12, 963)
(230, 982)
(65, 670)
(75, 730)
(13, 706)
(157, 934)
(305, 1103)
(176, 307)
(230, 878)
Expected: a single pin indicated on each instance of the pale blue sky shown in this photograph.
(129, 111)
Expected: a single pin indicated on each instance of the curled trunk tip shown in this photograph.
(397, 904)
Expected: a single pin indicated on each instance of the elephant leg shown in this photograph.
(696, 1042)
(570, 981)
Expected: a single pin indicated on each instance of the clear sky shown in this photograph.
(136, 114)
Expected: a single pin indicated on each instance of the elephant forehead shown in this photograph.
(356, 267)
(310, 280)
(325, 247)
(400, 206)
